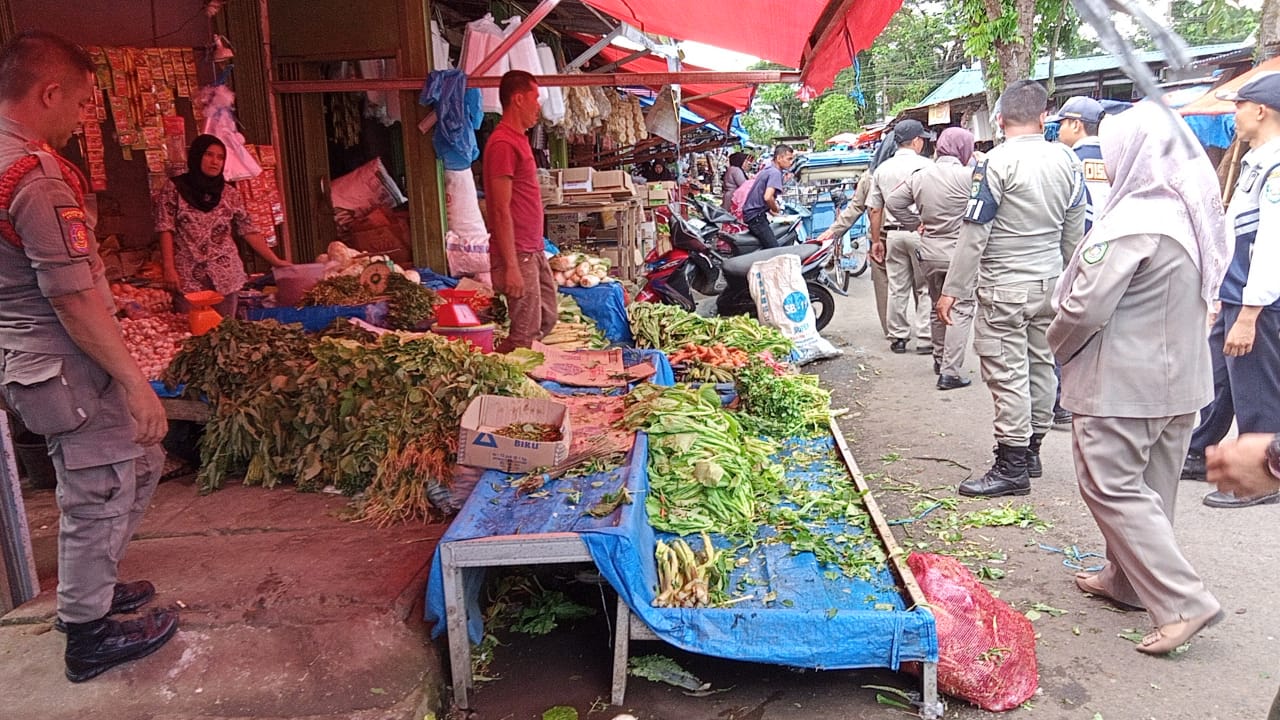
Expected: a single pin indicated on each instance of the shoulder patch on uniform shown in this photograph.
(982, 205)
(75, 230)
(1094, 253)
(1271, 189)
(1095, 170)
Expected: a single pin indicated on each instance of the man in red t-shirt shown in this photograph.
(514, 202)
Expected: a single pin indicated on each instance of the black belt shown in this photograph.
(892, 227)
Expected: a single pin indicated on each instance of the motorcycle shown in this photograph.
(692, 274)
(733, 237)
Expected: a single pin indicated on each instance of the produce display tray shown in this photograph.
(801, 614)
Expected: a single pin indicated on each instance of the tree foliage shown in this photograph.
(1205, 22)
(834, 114)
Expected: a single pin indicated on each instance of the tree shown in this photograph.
(835, 113)
(1269, 24)
(1202, 22)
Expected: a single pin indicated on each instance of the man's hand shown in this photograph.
(1239, 466)
(1239, 338)
(825, 235)
(877, 252)
(508, 281)
(149, 414)
(945, 303)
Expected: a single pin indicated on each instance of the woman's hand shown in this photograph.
(170, 280)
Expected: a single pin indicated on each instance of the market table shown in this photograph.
(629, 213)
(874, 624)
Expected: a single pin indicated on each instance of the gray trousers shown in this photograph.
(1017, 365)
(105, 480)
(906, 285)
(1128, 472)
(880, 283)
(949, 341)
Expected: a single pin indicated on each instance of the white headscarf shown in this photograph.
(1161, 183)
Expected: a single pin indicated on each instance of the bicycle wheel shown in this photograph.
(855, 259)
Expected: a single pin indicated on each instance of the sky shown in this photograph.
(714, 58)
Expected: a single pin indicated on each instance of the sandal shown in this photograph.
(1170, 636)
(1089, 586)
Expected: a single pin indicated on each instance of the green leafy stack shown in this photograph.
(787, 405)
(705, 471)
(668, 328)
(379, 416)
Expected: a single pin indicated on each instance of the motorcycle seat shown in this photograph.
(740, 265)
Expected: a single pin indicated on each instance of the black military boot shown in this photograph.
(125, 598)
(1034, 469)
(1007, 476)
(97, 646)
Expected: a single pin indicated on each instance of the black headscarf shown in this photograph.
(737, 159)
(199, 190)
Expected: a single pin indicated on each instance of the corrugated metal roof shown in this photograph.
(968, 81)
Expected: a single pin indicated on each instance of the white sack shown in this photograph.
(782, 301)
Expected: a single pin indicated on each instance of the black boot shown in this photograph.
(1193, 467)
(125, 598)
(97, 646)
(1034, 469)
(1007, 476)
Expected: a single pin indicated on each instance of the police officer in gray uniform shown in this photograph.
(895, 244)
(64, 367)
(935, 199)
(1025, 215)
(1135, 368)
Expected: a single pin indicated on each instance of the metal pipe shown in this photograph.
(750, 77)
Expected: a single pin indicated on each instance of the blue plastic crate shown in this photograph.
(317, 318)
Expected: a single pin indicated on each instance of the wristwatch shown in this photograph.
(1273, 456)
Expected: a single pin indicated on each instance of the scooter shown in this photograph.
(691, 274)
(734, 238)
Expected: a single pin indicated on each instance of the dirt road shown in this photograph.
(915, 441)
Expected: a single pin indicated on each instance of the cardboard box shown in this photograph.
(577, 180)
(480, 446)
(617, 182)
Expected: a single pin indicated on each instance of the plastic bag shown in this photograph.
(358, 192)
(986, 649)
(739, 199)
(482, 37)
(782, 301)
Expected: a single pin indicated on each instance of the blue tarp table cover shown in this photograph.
(818, 619)
(606, 305)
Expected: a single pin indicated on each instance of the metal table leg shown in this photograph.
(931, 707)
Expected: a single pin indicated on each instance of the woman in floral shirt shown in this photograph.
(195, 215)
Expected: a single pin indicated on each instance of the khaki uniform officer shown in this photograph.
(845, 220)
(895, 243)
(1026, 212)
(935, 198)
(63, 364)
(1129, 334)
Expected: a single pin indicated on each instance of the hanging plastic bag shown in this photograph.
(986, 649)
(782, 301)
(553, 106)
(481, 38)
(524, 54)
(220, 121)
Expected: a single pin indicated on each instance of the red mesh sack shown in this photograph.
(986, 649)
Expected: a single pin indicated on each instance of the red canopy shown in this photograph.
(818, 36)
(718, 108)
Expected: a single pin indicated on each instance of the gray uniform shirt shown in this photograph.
(889, 175)
(59, 253)
(1025, 216)
(935, 197)
(1130, 335)
(856, 207)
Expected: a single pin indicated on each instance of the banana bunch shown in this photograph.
(686, 579)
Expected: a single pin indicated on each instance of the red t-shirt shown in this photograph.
(508, 154)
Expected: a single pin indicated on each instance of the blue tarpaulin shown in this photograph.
(606, 305)
(1213, 130)
(815, 618)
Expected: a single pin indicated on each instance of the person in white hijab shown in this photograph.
(1129, 334)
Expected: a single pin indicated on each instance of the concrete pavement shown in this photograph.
(288, 611)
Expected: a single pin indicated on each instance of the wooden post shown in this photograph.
(422, 171)
(18, 581)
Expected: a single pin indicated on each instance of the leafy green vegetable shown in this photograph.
(670, 328)
(790, 405)
(560, 712)
(546, 610)
(705, 471)
(660, 668)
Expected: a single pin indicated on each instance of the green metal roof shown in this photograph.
(968, 81)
